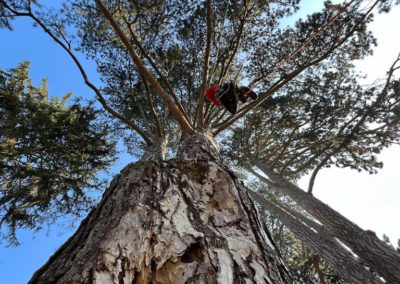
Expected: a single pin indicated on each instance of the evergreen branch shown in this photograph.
(236, 45)
(357, 127)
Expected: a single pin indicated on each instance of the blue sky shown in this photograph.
(368, 200)
(47, 59)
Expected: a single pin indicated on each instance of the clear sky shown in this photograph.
(372, 201)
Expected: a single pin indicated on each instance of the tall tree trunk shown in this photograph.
(322, 244)
(381, 258)
(185, 220)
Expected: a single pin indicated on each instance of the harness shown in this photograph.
(220, 92)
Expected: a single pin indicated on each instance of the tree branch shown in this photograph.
(152, 109)
(237, 44)
(356, 128)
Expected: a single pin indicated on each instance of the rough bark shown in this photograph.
(378, 255)
(322, 244)
(185, 220)
(156, 151)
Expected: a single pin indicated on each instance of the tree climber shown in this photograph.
(228, 95)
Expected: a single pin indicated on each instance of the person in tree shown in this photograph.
(228, 94)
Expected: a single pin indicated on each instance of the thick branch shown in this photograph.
(175, 111)
(156, 69)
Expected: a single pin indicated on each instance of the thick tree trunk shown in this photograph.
(322, 244)
(379, 256)
(186, 220)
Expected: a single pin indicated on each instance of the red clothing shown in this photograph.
(210, 94)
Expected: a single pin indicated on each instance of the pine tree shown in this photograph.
(180, 214)
(302, 256)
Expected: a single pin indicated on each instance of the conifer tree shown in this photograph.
(51, 150)
(180, 214)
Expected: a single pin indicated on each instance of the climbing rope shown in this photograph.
(299, 48)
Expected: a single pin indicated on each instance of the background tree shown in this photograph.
(50, 154)
(353, 143)
(156, 59)
(305, 265)
(322, 118)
